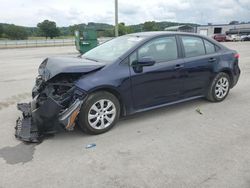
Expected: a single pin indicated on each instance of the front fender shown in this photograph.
(112, 78)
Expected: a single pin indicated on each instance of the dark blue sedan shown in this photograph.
(129, 74)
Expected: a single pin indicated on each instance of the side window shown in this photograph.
(193, 46)
(210, 48)
(161, 49)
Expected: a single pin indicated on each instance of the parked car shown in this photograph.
(126, 75)
(233, 38)
(236, 38)
(229, 38)
(245, 38)
(220, 37)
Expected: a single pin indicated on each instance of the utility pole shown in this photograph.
(116, 18)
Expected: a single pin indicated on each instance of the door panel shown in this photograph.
(199, 58)
(197, 72)
(157, 84)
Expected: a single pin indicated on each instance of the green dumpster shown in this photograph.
(86, 40)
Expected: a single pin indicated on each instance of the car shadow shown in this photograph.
(171, 109)
(136, 118)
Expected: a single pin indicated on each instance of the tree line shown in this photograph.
(49, 29)
(46, 29)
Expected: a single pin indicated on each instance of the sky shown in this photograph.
(69, 12)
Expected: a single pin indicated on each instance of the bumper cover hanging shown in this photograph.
(45, 119)
(25, 129)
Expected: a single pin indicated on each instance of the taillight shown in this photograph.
(236, 56)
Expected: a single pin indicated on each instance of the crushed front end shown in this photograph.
(55, 106)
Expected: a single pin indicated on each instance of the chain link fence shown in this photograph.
(4, 44)
(36, 43)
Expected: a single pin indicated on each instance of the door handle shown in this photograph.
(212, 59)
(178, 66)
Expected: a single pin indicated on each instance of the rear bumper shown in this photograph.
(236, 76)
(37, 121)
(235, 80)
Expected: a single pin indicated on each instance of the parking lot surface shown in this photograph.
(169, 147)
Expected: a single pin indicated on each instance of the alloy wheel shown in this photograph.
(101, 114)
(221, 87)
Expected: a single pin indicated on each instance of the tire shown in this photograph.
(218, 89)
(95, 117)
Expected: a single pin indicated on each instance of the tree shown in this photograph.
(74, 28)
(233, 22)
(77, 27)
(130, 29)
(15, 32)
(106, 33)
(150, 26)
(48, 29)
(122, 29)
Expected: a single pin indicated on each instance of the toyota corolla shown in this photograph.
(128, 74)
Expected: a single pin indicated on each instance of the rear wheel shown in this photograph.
(219, 87)
(99, 113)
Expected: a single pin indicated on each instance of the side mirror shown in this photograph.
(146, 61)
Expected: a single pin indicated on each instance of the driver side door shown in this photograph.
(160, 83)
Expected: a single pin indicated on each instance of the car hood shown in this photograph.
(51, 67)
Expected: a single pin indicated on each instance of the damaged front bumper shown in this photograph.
(25, 129)
(47, 117)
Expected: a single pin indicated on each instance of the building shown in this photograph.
(210, 30)
(181, 28)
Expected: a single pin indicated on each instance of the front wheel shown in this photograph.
(99, 113)
(219, 87)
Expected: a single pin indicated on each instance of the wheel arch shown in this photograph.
(114, 92)
(229, 73)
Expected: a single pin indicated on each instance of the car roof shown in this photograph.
(152, 34)
(159, 33)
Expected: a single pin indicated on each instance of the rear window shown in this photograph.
(193, 46)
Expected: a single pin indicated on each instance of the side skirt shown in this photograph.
(168, 104)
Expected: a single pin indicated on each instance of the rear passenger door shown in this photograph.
(199, 57)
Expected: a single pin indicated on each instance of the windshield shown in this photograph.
(113, 49)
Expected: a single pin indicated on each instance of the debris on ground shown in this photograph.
(90, 146)
(198, 110)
